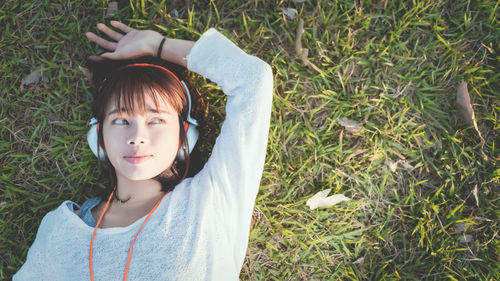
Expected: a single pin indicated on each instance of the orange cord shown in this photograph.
(133, 241)
(95, 230)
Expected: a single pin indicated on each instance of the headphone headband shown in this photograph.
(99, 89)
(152, 65)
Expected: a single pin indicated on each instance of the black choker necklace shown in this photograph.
(119, 200)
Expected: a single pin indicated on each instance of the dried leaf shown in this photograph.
(359, 261)
(474, 192)
(320, 200)
(87, 74)
(465, 108)
(298, 37)
(465, 238)
(302, 52)
(464, 104)
(406, 165)
(392, 165)
(290, 13)
(376, 155)
(355, 154)
(34, 77)
(459, 228)
(112, 8)
(350, 126)
(303, 55)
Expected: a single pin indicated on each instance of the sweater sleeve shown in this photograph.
(235, 166)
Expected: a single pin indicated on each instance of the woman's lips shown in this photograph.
(137, 159)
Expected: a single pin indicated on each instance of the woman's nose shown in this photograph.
(137, 135)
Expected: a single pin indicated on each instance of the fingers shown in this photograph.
(111, 56)
(123, 27)
(109, 32)
(101, 42)
(96, 59)
(114, 35)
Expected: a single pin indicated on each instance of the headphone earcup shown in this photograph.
(192, 134)
(190, 127)
(93, 140)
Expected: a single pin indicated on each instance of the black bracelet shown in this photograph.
(161, 47)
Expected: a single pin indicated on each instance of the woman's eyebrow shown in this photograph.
(114, 111)
(153, 110)
(149, 109)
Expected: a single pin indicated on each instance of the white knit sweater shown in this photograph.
(200, 230)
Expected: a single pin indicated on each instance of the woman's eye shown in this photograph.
(157, 121)
(120, 122)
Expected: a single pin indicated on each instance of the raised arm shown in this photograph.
(131, 43)
(234, 169)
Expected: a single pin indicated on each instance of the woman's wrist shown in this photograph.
(160, 48)
(174, 50)
(154, 44)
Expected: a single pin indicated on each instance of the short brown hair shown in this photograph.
(129, 85)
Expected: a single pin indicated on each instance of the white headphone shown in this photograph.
(192, 132)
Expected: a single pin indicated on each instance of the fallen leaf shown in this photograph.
(465, 108)
(464, 104)
(34, 77)
(342, 173)
(359, 261)
(474, 192)
(302, 52)
(459, 228)
(406, 165)
(465, 238)
(320, 200)
(290, 13)
(376, 155)
(112, 8)
(392, 165)
(355, 154)
(87, 74)
(350, 126)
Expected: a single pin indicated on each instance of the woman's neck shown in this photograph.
(130, 191)
(141, 195)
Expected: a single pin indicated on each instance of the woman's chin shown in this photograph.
(139, 175)
(140, 172)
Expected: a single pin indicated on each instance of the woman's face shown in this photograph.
(139, 146)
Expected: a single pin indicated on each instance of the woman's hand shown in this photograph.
(138, 43)
(132, 44)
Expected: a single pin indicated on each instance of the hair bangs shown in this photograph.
(131, 86)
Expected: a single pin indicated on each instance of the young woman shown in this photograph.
(146, 229)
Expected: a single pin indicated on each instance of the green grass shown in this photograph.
(392, 66)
